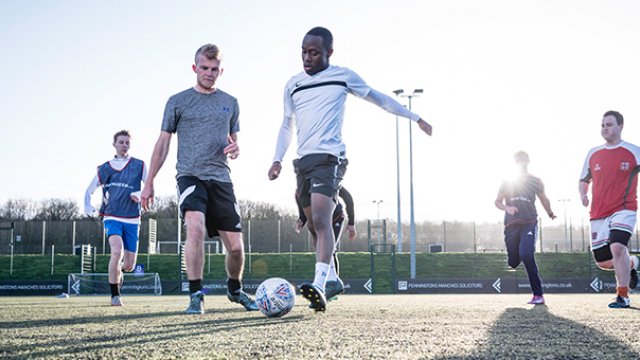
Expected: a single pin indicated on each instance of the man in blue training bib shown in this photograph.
(120, 180)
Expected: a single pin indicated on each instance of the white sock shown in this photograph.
(320, 279)
(634, 262)
(332, 276)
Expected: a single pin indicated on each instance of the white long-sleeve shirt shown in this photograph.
(316, 104)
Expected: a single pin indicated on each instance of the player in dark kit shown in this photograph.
(517, 198)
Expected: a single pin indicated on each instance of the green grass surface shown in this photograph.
(353, 327)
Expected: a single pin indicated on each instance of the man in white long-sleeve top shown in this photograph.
(315, 99)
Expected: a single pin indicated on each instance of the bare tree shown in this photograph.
(261, 210)
(18, 209)
(163, 207)
(58, 209)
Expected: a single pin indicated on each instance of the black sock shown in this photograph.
(234, 286)
(115, 289)
(195, 285)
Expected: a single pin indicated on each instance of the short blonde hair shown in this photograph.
(210, 51)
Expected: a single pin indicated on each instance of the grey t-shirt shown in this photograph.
(203, 122)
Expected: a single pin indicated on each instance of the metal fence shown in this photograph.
(279, 236)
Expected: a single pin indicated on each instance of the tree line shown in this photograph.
(164, 207)
(266, 228)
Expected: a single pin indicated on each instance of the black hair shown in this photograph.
(325, 34)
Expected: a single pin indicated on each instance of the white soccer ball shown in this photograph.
(275, 297)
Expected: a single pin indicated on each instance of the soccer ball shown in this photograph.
(275, 297)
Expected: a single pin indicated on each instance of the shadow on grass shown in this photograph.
(536, 333)
(150, 334)
(105, 319)
(82, 320)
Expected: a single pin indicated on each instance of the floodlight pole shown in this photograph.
(398, 186)
(399, 207)
(415, 93)
(378, 202)
(412, 219)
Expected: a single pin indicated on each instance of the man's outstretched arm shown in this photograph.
(391, 105)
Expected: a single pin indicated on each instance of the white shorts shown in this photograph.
(623, 220)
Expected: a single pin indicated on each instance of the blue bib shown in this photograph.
(117, 186)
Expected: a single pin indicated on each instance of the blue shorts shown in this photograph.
(128, 233)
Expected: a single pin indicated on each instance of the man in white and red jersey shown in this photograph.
(613, 168)
(120, 180)
(315, 99)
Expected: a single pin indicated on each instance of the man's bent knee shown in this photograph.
(195, 231)
(195, 222)
(322, 223)
(235, 249)
(233, 242)
(116, 252)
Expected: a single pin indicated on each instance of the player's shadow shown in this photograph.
(82, 320)
(154, 335)
(537, 334)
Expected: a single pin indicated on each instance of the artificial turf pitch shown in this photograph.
(576, 326)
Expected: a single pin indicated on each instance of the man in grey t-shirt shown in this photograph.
(206, 121)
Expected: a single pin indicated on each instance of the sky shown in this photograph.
(498, 77)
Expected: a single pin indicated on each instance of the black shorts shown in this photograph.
(214, 199)
(318, 173)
